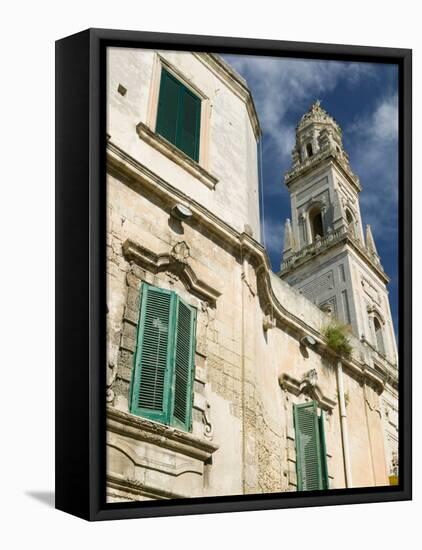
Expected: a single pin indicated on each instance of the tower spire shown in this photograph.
(288, 247)
(370, 244)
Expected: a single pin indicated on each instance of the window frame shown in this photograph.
(314, 211)
(378, 334)
(166, 416)
(182, 93)
(320, 445)
(159, 64)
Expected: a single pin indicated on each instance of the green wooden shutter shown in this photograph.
(184, 357)
(153, 357)
(324, 464)
(188, 131)
(308, 447)
(168, 107)
(179, 115)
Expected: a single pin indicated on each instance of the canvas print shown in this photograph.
(252, 278)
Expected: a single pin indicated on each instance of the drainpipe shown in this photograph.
(343, 422)
(243, 321)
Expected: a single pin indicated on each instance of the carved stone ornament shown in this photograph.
(268, 322)
(172, 277)
(308, 385)
(310, 378)
(181, 252)
(111, 377)
(317, 114)
(176, 262)
(206, 414)
(166, 437)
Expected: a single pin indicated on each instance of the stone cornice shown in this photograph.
(176, 155)
(243, 245)
(166, 437)
(134, 486)
(310, 164)
(326, 243)
(235, 82)
(124, 164)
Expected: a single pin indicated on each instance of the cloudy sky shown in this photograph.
(362, 97)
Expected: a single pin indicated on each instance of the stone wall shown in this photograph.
(247, 378)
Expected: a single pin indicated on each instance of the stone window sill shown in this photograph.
(166, 437)
(176, 155)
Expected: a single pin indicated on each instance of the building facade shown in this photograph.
(219, 377)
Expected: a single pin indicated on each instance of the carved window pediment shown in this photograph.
(308, 385)
(176, 262)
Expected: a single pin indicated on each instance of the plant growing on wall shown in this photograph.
(337, 339)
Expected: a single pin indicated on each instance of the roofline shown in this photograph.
(235, 82)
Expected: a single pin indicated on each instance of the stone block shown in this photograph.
(131, 315)
(129, 331)
(128, 343)
(133, 298)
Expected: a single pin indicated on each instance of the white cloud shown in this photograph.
(373, 152)
(386, 120)
(280, 84)
(381, 125)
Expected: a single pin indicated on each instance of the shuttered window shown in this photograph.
(163, 374)
(179, 115)
(311, 463)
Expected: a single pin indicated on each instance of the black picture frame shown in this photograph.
(80, 273)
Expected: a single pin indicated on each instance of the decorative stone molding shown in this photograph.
(175, 262)
(180, 252)
(176, 155)
(374, 311)
(308, 385)
(202, 404)
(328, 153)
(166, 437)
(329, 306)
(317, 114)
(340, 236)
(125, 485)
(111, 377)
(268, 322)
(208, 430)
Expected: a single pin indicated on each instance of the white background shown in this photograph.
(27, 272)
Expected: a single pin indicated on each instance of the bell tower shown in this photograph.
(327, 255)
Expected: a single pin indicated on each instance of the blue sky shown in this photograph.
(362, 97)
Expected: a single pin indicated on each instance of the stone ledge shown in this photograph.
(137, 488)
(329, 241)
(159, 434)
(176, 155)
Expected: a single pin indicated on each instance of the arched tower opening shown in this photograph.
(309, 150)
(316, 222)
(351, 225)
(379, 339)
